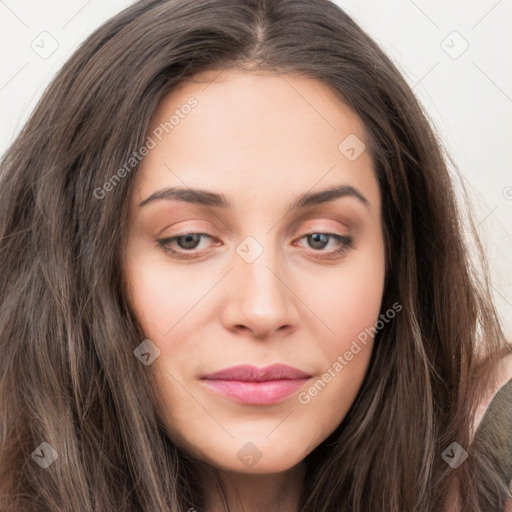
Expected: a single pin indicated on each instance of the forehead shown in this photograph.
(254, 131)
(257, 106)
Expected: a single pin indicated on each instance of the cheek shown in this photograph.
(357, 303)
(152, 301)
(350, 306)
(160, 297)
(349, 298)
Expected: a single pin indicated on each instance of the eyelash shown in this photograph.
(346, 244)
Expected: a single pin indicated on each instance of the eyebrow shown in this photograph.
(219, 200)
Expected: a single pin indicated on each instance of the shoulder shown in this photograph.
(504, 375)
(491, 396)
(493, 422)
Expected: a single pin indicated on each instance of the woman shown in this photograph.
(235, 278)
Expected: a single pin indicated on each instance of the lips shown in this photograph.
(249, 373)
(250, 385)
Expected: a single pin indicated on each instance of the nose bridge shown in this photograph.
(257, 267)
(260, 301)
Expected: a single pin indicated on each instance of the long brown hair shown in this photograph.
(69, 377)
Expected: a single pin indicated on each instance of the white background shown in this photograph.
(466, 92)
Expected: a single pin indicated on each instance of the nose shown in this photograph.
(260, 301)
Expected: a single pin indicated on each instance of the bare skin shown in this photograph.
(262, 140)
(256, 493)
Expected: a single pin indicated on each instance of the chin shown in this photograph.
(256, 455)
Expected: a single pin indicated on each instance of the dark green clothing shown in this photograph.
(493, 438)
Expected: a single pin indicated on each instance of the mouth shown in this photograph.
(250, 385)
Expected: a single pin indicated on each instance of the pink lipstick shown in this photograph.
(250, 385)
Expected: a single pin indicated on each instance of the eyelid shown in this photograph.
(345, 242)
(308, 231)
(332, 225)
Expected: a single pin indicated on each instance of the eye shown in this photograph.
(187, 244)
(319, 241)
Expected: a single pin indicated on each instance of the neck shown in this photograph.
(272, 492)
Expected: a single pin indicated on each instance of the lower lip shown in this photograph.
(257, 393)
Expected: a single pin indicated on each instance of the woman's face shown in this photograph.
(272, 274)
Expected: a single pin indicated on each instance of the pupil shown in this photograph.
(190, 241)
(320, 238)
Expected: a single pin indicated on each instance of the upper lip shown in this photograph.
(250, 373)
